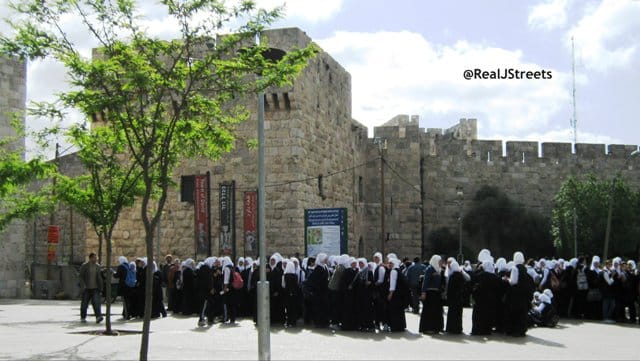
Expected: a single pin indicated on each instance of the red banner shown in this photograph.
(201, 203)
(53, 234)
(250, 223)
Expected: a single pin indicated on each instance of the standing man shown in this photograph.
(91, 284)
(415, 274)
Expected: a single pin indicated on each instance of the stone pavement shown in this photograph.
(48, 329)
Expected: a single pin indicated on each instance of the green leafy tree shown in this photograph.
(505, 226)
(109, 185)
(588, 199)
(17, 200)
(171, 99)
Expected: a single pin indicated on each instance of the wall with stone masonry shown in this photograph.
(12, 240)
(310, 132)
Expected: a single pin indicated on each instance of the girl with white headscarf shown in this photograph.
(363, 296)
(291, 295)
(318, 283)
(187, 276)
(276, 291)
(123, 289)
(593, 297)
(396, 298)
(431, 320)
(455, 288)
(487, 296)
(518, 298)
(348, 306)
(157, 304)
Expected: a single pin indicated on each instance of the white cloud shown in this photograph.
(401, 72)
(608, 35)
(312, 11)
(549, 15)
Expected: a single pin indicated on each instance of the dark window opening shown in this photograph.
(187, 188)
(274, 98)
(287, 102)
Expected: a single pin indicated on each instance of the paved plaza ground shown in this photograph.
(47, 329)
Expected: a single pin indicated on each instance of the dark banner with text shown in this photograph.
(227, 219)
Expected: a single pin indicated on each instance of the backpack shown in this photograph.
(581, 280)
(237, 281)
(130, 280)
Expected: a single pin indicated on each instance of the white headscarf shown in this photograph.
(321, 259)
(363, 261)
(595, 260)
(487, 266)
(501, 264)
(454, 267)
(277, 257)
(573, 262)
(377, 254)
(290, 268)
(467, 266)
(304, 262)
(155, 267)
(510, 265)
(242, 266)
(395, 262)
(188, 263)
(518, 258)
(484, 255)
(226, 261)
(545, 299)
(548, 293)
(209, 261)
(248, 263)
(132, 266)
(123, 260)
(435, 262)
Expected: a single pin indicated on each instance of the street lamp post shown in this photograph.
(382, 145)
(607, 234)
(460, 195)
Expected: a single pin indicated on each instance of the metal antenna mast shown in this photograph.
(574, 121)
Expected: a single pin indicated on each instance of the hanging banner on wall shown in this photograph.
(201, 202)
(227, 219)
(250, 223)
(325, 230)
(53, 237)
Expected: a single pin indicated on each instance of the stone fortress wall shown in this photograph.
(528, 173)
(310, 132)
(12, 251)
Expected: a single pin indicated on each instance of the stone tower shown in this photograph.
(12, 239)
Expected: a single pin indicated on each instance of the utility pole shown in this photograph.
(382, 145)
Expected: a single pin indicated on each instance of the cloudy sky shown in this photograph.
(409, 56)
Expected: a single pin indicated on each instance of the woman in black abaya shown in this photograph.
(431, 320)
(455, 289)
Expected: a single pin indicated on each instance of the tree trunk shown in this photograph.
(100, 249)
(148, 294)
